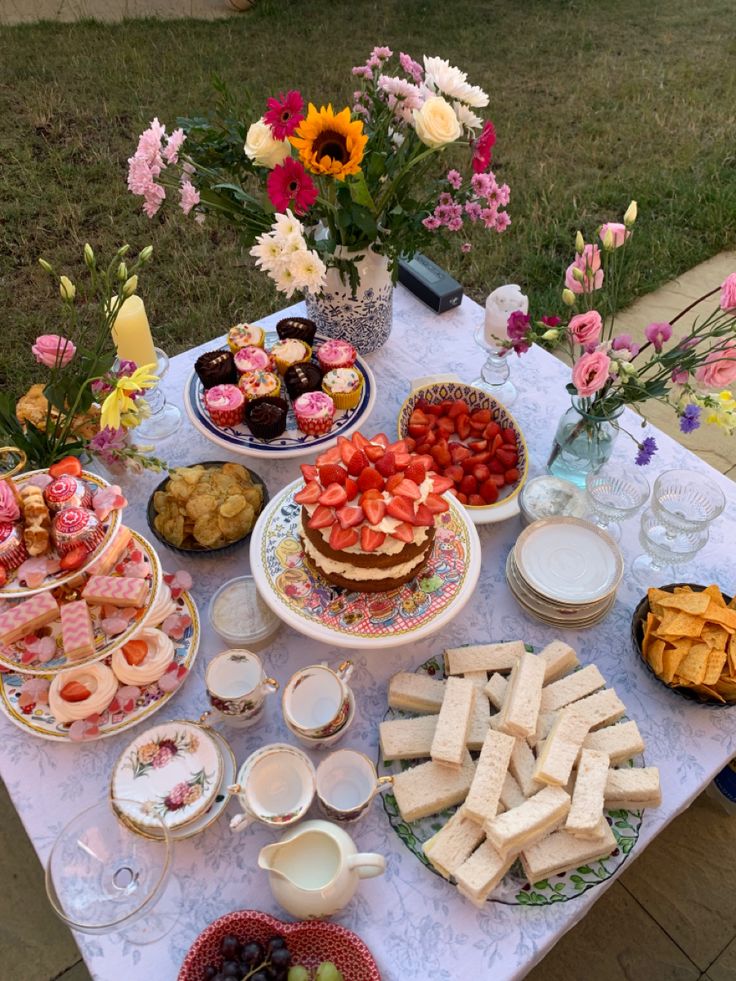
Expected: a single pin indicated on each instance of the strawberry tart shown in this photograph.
(368, 512)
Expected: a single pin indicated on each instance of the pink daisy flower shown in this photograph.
(290, 186)
(284, 113)
(431, 223)
(466, 247)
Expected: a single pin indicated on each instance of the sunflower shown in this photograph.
(330, 143)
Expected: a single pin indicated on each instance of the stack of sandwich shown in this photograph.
(552, 757)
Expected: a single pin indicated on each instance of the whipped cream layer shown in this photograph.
(358, 573)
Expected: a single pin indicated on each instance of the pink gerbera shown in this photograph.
(483, 147)
(290, 186)
(284, 114)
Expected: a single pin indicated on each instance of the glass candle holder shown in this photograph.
(495, 375)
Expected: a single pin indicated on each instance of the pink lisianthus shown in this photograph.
(680, 376)
(585, 328)
(53, 351)
(658, 334)
(590, 373)
(189, 196)
(617, 229)
(589, 264)
(284, 113)
(483, 148)
(719, 370)
(728, 293)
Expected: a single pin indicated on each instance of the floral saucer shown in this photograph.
(174, 771)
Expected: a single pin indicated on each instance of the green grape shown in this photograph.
(328, 972)
(298, 973)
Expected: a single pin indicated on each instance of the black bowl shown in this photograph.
(638, 622)
(200, 549)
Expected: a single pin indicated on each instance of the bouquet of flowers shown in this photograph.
(312, 188)
(690, 373)
(89, 402)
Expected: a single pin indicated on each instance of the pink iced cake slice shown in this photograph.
(115, 591)
(27, 617)
(77, 633)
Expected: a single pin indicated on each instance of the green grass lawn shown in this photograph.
(594, 104)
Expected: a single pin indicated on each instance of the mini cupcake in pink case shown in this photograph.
(336, 354)
(225, 405)
(314, 413)
(253, 358)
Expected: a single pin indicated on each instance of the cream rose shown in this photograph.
(436, 123)
(262, 148)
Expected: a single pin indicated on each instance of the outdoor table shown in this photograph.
(415, 923)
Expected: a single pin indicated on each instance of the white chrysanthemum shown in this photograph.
(267, 252)
(467, 117)
(443, 77)
(284, 279)
(308, 270)
(286, 225)
(292, 243)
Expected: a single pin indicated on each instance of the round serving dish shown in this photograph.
(200, 549)
(507, 506)
(638, 622)
(263, 629)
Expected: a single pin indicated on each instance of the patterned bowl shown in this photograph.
(309, 941)
(638, 622)
(507, 504)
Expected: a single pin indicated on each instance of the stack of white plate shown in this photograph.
(565, 572)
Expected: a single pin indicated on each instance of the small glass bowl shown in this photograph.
(547, 496)
(256, 629)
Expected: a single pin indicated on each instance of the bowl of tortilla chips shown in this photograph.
(686, 636)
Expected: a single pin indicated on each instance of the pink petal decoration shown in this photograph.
(127, 696)
(108, 499)
(77, 730)
(40, 480)
(169, 681)
(176, 625)
(113, 626)
(43, 649)
(183, 579)
(32, 572)
(24, 701)
(91, 732)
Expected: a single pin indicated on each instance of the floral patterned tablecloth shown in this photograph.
(416, 924)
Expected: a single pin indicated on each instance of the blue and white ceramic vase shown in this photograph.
(364, 319)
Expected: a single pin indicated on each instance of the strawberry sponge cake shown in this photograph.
(368, 512)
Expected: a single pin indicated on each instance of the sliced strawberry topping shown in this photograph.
(436, 504)
(309, 472)
(342, 537)
(346, 448)
(370, 539)
(309, 494)
(462, 427)
(74, 691)
(386, 465)
(402, 509)
(407, 488)
(393, 482)
(423, 516)
(357, 462)
(402, 460)
(349, 516)
(360, 441)
(404, 532)
(400, 446)
(381, 439)
(374, 510)
(334, 497)
(440, 484)
(74, 559)
(351, 488)
(373, 452)
(370, 495)
(322, 517)
(416, 472)
(135, 651)
(331, 474)
(458, 408)
(329, 456)
(370, 479)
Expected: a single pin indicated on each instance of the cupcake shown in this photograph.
(266, 416)
(12, 550)
(253, 358)
(215, 368)
(255, 384)
(298, 327)
(74, 527)
(290, 352)
(67, 491)
(245, 335)
(314, 413)
(224, 405)
(301, 378)
(336, 354)
(344, 386)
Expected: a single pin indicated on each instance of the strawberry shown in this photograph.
(469, 465)
(424, 460)
(418, 418)
(334, 497)
(481, 416)
(404, 532)
(359, 441)
(458, 452)
(458, 408)
(463, 498)
(496, 443)
(331, 474)
(446, 406)
(480, 458)
(309, 494)
(481, 472)
(374, 510)
(416, 431)
(357, 462)
(345, 447)
(423, 516)
(441, 483)
(349, 516)
(468, 485)
(436, 504)
(441, 454)
(478, 445)
(455, 473)
(69, 465)
(370, 539)
(424, 405)
(322, 517)
(407, 488)
(374, 452)
(507, 455)
(370, 479)
(135, 651)
(508, 436)
(511, 475)
(434, 410)
(476, 501)
(370, 495)
(329, 456)
(309, 472)
(393, 482)
(411, 444)
(342, 537)
(498, 479)
(495, 466)
(402, 460)
(351, 488)
(462, 426)
(74, 559)
(74, 691)
(381, 439)
(446, 424)
(491, 430)
(400, 446)
(488, 491)
(386, 466)
(402, 509)
(416, 472)
(424, 448)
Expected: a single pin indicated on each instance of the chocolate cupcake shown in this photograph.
(303, 377)
(216, 368)
(298, 327)
(266, 416)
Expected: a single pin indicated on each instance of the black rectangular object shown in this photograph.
(430, 283)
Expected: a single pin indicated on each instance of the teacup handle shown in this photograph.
(367, 864)
(270, 685)
(241, 821)
(344, 671)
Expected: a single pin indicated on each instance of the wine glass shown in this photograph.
(665, 550)
(686, 500)
(615, 494)
(104, 877)
(495, 373)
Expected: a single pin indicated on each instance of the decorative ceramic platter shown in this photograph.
(514, 890)
(444, 388)
(309, 604)
(15, 590)
(293, 442)
(173, 771)
(22, 656)
(36, 718)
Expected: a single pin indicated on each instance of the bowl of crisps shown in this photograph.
(206, 507)
(686, 636)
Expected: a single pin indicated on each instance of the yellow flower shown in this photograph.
(330, 143)
(119, 408)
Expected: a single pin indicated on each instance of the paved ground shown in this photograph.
(25, 11)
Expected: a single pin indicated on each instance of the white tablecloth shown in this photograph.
(416, 924)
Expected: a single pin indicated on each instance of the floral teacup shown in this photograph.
(316, 700)
(276, 786)
(346, 784)
(237, 686)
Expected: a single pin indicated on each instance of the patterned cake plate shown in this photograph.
(19, 657)
(309, 604)
(15, 590)
(36, 718)
(515, 889)
(173, 771)
(293, 442)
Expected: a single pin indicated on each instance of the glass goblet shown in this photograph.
(103, 877)
(664, 551)
(686, 500)
(615, 495)
(165, 418)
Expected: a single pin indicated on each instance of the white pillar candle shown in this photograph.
(502, 302)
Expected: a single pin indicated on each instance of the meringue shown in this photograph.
(98, 679)
(159, 656)
(163, 606)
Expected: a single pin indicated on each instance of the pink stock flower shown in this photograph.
(189, 196)
(589, 264)
(728, 293)
(483, 147)
(719, 370)
(590, 373)
(454, 179)
(625, 347)
(173, 145)
(658, 334)
(284, 113)
(53, 351)
(620, 232)
(517, 328)
(153, 199)
(585, 328)
(411, 67)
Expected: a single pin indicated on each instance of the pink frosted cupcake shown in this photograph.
(336, 354)
(253, 358)
(314, 413)
(225, 405)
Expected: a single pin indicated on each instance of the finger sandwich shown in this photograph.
(431, 787)
(520, 827)
(453, 843)
(483, 657)
(415, 693)
(453, 722)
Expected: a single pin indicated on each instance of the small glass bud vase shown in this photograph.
(583, 441)
(495, 373)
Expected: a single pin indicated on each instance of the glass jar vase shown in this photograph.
(584, 440)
